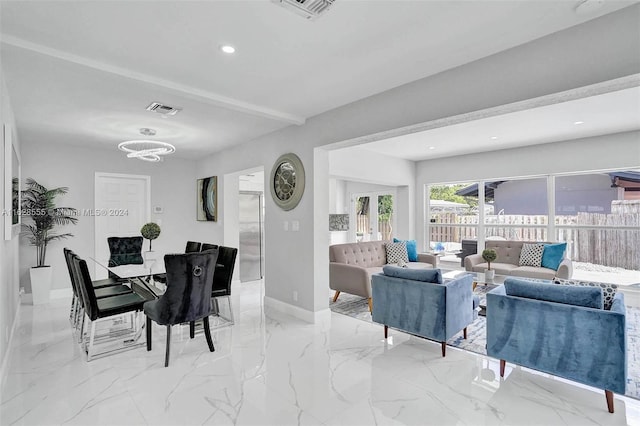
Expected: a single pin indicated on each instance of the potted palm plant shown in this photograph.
(489, 255)
(38, 205)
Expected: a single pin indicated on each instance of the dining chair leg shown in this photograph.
(166, 356)
(207, 333)
(192, 329)
(148, 334)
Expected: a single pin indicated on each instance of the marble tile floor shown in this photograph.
(272, 369)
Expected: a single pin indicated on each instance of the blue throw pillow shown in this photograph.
(426, 275)
(412, 248)
(590, 297)
(552, 255)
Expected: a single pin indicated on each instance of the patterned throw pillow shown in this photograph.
(608, 290)
(531, 254)
(396, 252)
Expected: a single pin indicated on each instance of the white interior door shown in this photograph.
(122, 206)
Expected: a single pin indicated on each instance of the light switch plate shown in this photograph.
(286, 225)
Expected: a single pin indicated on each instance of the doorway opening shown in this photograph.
(251, 226)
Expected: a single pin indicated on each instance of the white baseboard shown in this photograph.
(297, 312)
(5, 360)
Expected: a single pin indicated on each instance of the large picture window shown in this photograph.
(596, 213)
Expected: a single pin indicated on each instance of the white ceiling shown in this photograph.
(83, 72)
(612, 112)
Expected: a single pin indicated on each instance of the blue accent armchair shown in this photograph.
(561, 330)
(413, 304)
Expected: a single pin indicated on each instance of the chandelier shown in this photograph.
(146, 150)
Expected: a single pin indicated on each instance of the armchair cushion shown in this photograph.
(412, 248)
(589, 297)
(552, 255)
(608, 289)
(425, 275)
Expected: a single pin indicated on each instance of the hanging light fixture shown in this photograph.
(146, 150)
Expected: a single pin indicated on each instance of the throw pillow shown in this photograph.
(608, 290)
(412, 248)
(426, 275)
(552, 255)
(531, 254)
(396, 252)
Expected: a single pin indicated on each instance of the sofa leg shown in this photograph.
(386, 331)
(464, 333)
(370, 305)
(444, 348)
(503, 364)
(609, 395)
(335, 296)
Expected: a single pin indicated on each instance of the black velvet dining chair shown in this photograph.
(105, 308)
(125, 250)
(207, 246)
(222, 278)
(187, 298)
(102, 288)
(192, 247)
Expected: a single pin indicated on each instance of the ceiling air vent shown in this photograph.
(163, 109)
(309, 9)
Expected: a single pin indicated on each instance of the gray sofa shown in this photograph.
(508, 261)
(351, 266)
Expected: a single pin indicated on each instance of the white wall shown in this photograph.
(616, 151)
(9, 253)
(173, 187)
(298, 261)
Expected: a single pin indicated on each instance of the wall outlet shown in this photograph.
(295, 296)
(295, 225)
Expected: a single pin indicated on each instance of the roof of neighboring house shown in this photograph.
(618, 178)
(472, 190)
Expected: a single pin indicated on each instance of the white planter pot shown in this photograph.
(41, 284)
(489, 274)
(149, 255)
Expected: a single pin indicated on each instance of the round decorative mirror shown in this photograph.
(287, 181)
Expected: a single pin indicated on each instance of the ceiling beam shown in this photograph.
(181, 89)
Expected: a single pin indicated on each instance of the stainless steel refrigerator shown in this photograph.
(251, 236)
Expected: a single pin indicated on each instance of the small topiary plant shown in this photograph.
(489, 255)
(150, 231)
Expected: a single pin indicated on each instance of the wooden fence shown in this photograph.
(608, 247)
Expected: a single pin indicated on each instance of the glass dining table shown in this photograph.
(144, 278)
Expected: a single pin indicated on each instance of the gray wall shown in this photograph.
(54, 164)
(298, 261)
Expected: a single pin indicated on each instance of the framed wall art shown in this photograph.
(12, 185)
(207, 196)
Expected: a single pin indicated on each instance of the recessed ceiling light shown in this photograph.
(228, 49)
(578, 122)
(494, 138)
(432, 147)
